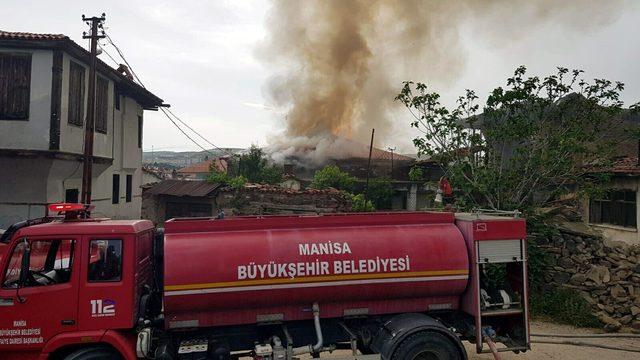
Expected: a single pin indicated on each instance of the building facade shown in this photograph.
(615, 212)
(43, 101)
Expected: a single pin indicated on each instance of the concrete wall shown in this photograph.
(614, 232)
(13, 133)
(34, 181)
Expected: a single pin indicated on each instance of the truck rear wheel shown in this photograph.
(94, 353)
(427, 345)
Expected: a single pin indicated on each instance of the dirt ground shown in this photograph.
(552, 351)
(555, 352)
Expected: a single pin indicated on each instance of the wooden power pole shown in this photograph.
(392, 150)
(95, 23)
(366, 189)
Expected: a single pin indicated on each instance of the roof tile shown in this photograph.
(30, 36)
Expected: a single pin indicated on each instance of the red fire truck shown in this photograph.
(383, 285)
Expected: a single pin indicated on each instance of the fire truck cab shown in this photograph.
(84, 283)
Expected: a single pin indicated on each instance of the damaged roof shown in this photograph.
(26, 40)
(183, 188)
(628, 165)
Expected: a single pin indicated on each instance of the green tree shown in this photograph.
(416, 174)
(255, 167)
(218, 177)
(359, 205)
(380, 193)
(534, 140)
(331, 176)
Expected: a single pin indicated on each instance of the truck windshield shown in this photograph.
(50, 263)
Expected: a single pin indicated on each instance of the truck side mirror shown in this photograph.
(24, 266)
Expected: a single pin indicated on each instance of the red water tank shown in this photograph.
(255, 269)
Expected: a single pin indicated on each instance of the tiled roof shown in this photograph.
(379, 154)
(204, 167)
(30, 36)
(62, 42)
(625, 166)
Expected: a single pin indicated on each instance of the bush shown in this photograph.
(359, 205)
(332, 177)
(235, 182)
(381, 193)
(565, 306)
(416, 174)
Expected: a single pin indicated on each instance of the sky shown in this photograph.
(201, 57)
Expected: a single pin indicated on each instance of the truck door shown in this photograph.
(47, 304)
(105, 298)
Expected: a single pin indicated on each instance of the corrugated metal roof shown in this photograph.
(183, 188)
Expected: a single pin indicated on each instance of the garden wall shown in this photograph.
(606, 273)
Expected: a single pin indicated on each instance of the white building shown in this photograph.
(43, 102)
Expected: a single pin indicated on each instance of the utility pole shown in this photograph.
(95, 23)
(366, 189)
(391, 149)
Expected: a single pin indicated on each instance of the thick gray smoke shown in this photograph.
(340, 62)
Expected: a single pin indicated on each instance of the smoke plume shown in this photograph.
(339, 63)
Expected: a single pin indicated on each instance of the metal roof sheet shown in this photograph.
(183, 188)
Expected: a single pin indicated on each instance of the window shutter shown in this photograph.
(102, 99)
(15, 86)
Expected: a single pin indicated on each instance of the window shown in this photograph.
(76, 94)
(129, 187)
(102, 100)
(139, 131)
(50, 263)
(116, 98)
(71, 196)
(15, 86)
(617, 207)
(105, 260)
(115, 196)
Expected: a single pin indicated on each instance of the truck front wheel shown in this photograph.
(94, 353)
(426, 345)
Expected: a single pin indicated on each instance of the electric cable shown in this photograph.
(183, 132)
(125, 60)
(167, 111)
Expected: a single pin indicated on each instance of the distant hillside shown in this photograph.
(182, 158)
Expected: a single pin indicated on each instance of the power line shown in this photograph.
(197, 133)
(109, 55)
(183, 132)
(167, 111)
(125, 60)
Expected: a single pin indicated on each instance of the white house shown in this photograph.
(43, 101)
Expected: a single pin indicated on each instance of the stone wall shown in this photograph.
(268, 199)
(606, 273)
